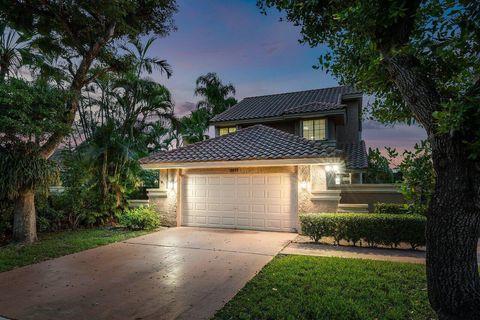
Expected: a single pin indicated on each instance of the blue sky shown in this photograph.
(258, 54)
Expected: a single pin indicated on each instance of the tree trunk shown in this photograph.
(24, 219)
(453, 219)
(453, 229)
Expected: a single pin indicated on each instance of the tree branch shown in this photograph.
(79, 80)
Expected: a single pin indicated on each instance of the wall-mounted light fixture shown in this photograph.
(333, 171)
(333, 168)
(303, 185)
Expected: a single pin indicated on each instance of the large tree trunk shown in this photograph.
(453, 229)
(24, 219)
(453, 221)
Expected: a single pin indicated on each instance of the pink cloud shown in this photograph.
(182, 109)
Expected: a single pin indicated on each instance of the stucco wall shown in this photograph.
(315, 197)
(164, 199)
(370, 194)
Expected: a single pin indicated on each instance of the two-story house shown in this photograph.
(272, 157)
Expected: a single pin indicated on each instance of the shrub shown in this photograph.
(373, 228)
(391, 208)
(142, 218)
(6, 219)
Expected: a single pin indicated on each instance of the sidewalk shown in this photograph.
(325, 250)
(300, 247)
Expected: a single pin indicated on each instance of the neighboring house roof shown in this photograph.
(274, 105)
(355, 155)
(257, 142)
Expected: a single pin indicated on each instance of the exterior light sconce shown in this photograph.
(334, 173)
(333, 168)
(304, 185)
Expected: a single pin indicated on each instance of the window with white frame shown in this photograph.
(315, 129)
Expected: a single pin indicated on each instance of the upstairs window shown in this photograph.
(315, 129)
(226, 130)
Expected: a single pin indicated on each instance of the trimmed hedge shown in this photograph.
(141, 218)
(372, 228)
(391, 208)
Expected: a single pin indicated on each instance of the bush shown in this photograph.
(142, 218)
(390, 208)
(373, 228)
(6, 219)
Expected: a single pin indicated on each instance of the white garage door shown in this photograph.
(257, 201)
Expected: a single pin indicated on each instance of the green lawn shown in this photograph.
(300, 287)
(52, 245)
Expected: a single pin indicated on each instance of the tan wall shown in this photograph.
(370, 194)
(164, 199)
(316, 179)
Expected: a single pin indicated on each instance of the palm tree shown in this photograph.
(193, 126)
(142, 62)
(12, 51)
(216, 95)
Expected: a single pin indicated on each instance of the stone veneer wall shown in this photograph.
(164, 199)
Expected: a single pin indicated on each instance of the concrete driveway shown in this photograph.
(179, 273)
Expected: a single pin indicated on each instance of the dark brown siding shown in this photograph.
(350, 132)
(287, 126)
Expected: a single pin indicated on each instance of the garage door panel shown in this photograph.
(274, 180)
(229, 221)
(258, 180)
(244, 194)
(226, 181)
(243, 180)
(243, 208)
(275, 194)
(201, 219)
(264, 202)
(200, 181)
(221, 207)
(213, 181)
(215, 220)
(274, 209)
(275, 224)
(258, 208)
(228, 193)
(259, 223)
(244, 222)
(258, 193)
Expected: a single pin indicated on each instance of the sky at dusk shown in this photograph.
(258, 54)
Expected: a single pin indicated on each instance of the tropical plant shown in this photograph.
(142, 218)
(12, 50)
(420, 59)
(215, 99)
(194, 126)
(29, 115)
(83, 38)
(142, 62)
(418, 177)
(215, 94)
(122, 118)
(379, 166)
